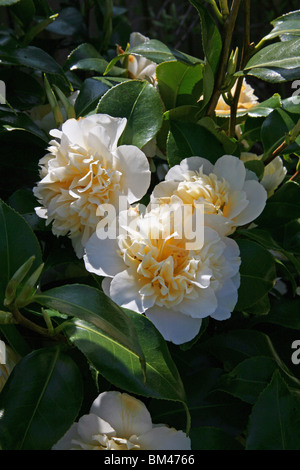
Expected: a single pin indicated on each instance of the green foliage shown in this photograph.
(234, 385)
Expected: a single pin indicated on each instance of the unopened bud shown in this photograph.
(17, 278)
(65, 102)
(29, 288)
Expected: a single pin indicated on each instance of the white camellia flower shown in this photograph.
(232, 195)
(149, 269)
(274, 172)
(247, 100)
(118, 421)
(85, 169)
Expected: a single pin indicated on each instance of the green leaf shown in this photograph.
(24, 202)
(32, 57)
(284, 313)
(179, 83)
(90, 93)
(265, 107)
(24, 11)
(93, 306)
(282, 55)
(274, 130)
(158, 52)
(257, 272)
(211, 37)
(138, 102)
(121, 367)
(210, 438)
(86, 57)
(286, 27)
(189, 139)
(277, 62)
(248, 379)
(21, 122)
(41, 400)
(275, 419)
(4, 3)
(23, 91)
(256, 166)
(282, 207)
(17, 244)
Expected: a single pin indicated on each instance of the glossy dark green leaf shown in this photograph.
(21, 122)
(257, 272)
(210, 438)
(86, 57)
(32, 57)
(277, 62)
(188, 139)
(248, 379)
(274, 129)
(179, 83)
(17, 244)
(282, 207)
(40, 400)
(24, 202)
(159, 52)
(121, 366)
(265, 107)
(23, 91)
(284, 313)
(275, 419)
(286, 26)
(238, 345)
(211, 37)
(24, 11)
(90, 93)
(282, 55)
(93, 306)
(140, 103)
(256, 166)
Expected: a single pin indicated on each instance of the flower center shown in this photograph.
(205, 189)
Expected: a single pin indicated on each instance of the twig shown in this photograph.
(246, 53)
(228, 32)
(276, 152)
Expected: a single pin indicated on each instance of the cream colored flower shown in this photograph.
(85, 169)
(149, 269)
(8, 360)
(118, 421)
(231, 195)
(246, 101)
(274, 172)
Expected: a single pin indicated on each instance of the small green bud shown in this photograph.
(17, 278)
(53, 103)
(29, 288)
(65, 102)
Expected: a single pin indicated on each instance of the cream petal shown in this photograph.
(174, 326)
(113, 127)
(126, 414)
(232, 170)
(164, 438)
(164, 189)
(124, 290)
(257, 197)
(90, 425)
(101, 257)
(189, 164)
(203, 306)
(236, 204)
(105, 284)
(227, 298)
(136, 174)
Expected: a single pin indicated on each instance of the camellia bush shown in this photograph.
(149, 231)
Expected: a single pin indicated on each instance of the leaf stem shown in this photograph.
(246, 53)
(229, 25)
(23, 321)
